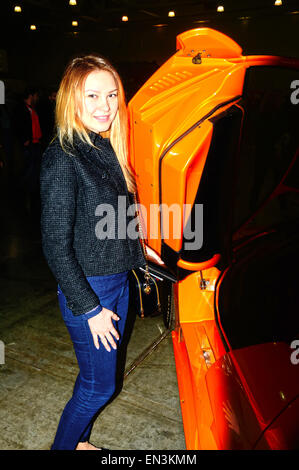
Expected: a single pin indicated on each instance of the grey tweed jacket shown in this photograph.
(72, 188)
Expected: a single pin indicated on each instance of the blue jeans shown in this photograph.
(96, 380)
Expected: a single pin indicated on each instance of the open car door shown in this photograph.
(214, 145)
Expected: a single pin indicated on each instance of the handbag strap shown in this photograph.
(140, 295)
(141, 236)
(147, 275)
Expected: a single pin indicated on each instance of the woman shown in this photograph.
(84, 171)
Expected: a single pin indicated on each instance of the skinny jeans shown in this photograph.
(96, 381)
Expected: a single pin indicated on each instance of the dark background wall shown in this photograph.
(39, 57)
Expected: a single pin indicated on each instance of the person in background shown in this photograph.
(28, 132)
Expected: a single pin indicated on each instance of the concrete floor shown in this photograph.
(40, 367)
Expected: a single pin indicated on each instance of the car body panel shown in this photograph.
(187, 127)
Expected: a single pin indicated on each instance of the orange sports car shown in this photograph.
(214, 145)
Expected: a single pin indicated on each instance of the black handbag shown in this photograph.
(144, 288)
(146, 294)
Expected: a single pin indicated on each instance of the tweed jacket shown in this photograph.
(73, 187)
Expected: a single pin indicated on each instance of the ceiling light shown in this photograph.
(125, 18)
(74, 23)
(278, 3)
(17, 9)
(220, 8)
(171, 13)
(33, 27)
(72, 2)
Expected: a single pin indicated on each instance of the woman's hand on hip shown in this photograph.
(101, 326)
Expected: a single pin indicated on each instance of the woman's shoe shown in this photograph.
(100, 448)
(86, 445)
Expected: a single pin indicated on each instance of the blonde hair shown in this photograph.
(68, 101)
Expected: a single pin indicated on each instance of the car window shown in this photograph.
(268, 145)
(259, 296)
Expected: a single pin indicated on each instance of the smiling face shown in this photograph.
(100, 101)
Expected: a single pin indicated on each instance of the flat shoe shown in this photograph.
(100, 448)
